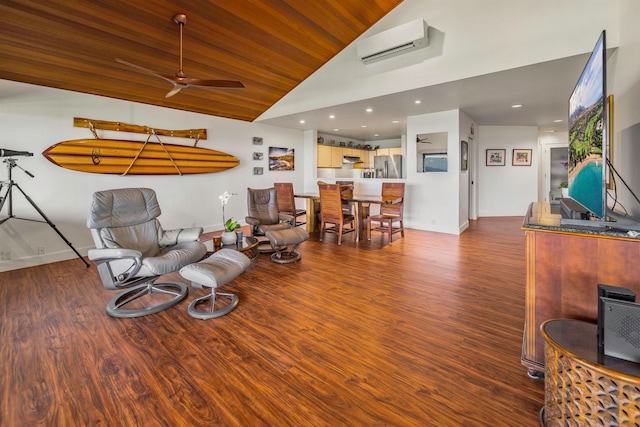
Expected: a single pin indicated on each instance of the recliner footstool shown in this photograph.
(281, 240)
(216, 270)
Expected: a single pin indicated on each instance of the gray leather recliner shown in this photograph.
(262, 205)
(133, 249)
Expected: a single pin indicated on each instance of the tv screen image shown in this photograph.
(587, 134)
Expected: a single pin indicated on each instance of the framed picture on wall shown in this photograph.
(258, 156)
(257, 140)
(257, 171)
(521, 157)
(281, 159)
(495, 156)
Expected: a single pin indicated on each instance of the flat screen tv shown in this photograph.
(588, 135)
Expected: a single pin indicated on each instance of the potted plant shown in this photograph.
(564, 187)
(231, 225)
(228, 236)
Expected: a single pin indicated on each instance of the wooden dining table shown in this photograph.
(361, 203)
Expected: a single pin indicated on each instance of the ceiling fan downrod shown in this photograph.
(181, 20)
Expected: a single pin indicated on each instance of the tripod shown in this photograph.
(8, 196)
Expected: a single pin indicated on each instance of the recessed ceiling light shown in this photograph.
(417, 101)
(516, 106)
(332, 116)
(395, 121)
(557, 121)
(336, 130)
(363, 126)
(368, 110)
(376, 134)
(301, 122)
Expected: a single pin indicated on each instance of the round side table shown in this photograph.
(583, 387)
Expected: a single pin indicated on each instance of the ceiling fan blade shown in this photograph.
(146, 70)
(176, 88)
(202, 82)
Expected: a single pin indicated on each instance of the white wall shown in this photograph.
(507, 190)
(432, 198)
(34, 118)
(626, 91)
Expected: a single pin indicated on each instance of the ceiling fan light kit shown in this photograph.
(180, 80)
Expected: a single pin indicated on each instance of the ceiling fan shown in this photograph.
(422, 139)
(180, 80)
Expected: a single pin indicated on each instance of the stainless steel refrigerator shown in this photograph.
(388, 166)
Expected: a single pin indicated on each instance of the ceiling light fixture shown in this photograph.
(395, 121)
(363, 126)
(417, 101)
(332, 116)
(376, 134)
(557, 121)
(368, 110)
(336, 130)
(516, 106)
(302, 122)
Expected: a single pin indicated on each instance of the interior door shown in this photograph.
(555, 170)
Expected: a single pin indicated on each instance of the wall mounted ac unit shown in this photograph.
(395, 41)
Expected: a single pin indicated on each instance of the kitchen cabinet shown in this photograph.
(324, 156)
(367, 159)
(336, 157)
(329, 157)
(388, 151)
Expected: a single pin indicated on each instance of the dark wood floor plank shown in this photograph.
(425, 331)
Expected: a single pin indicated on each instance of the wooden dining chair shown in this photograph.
(287, 205)
(390, 213)
(331, 212)
(346, 190)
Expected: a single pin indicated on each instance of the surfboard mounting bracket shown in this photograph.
(93, 124)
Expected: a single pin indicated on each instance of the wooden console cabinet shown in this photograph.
(564, 265)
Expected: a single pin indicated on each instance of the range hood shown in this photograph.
(351, 160)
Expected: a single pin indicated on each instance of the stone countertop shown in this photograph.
(547, 216)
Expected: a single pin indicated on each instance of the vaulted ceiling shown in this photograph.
(268, 45)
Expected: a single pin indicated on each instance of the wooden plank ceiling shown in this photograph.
(270, 46)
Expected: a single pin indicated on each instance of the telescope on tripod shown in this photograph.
(6, 195)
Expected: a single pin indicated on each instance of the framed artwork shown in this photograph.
(257, 171)
(495, 156)
(257, 140)
(281, 159)
(258, 156)
(521, 157)
(464, 156)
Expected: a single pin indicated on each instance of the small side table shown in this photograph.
(248, 246)
(581, 387)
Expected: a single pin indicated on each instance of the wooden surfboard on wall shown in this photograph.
(113, 156)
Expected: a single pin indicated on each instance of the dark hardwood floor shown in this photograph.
(426, 331)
